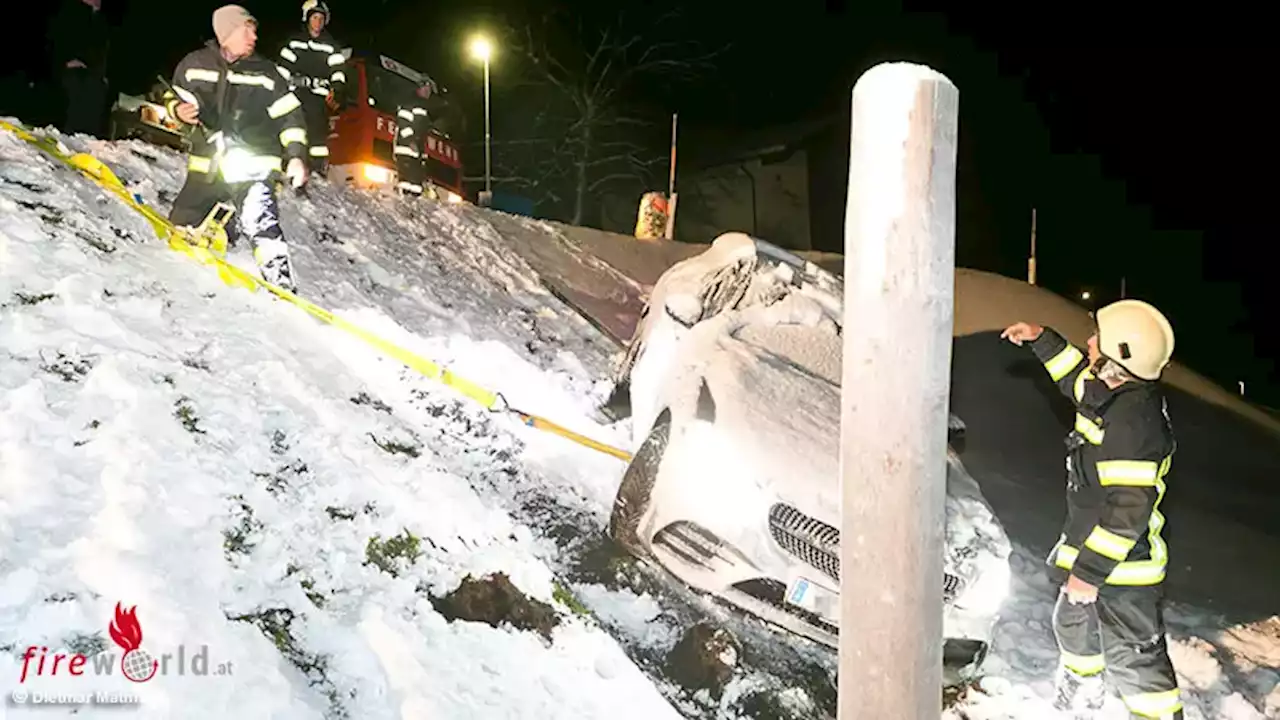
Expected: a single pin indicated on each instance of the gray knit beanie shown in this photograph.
(227, 19)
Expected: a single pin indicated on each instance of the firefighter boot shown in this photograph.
(273, 262)
(1079, 696)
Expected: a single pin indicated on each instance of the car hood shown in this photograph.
(774, 385)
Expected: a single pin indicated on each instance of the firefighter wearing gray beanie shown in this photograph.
(229, 18)
(251, 132)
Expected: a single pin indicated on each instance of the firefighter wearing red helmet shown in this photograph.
(1111, 555)
(315, 66)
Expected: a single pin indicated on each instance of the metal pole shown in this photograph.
(1122, 287)
(1031, 261)
(671, 182)
(488, 162)
(670, 229)
(899, 285)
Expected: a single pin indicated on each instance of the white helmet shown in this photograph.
(1135, 336)
(315, 6)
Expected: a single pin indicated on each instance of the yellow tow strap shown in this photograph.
(199, 249)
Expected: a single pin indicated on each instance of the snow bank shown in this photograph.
(986, 302)
(229, 466)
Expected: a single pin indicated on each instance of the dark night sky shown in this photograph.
(1136, 133)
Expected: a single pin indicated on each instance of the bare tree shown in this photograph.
(575, 130)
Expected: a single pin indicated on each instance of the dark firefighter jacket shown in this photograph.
(80, 33)
(314, 65)
(246, 104)
(411, 128)
(1118, 456)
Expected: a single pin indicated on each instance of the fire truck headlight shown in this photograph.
(377, 173)
(452, 197)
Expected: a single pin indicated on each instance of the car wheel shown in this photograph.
(635, 492)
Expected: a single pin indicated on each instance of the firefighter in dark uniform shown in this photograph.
(248, 118)
(412, 125)
(1111, 554)
(316, 67)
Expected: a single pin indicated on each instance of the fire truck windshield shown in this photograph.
(388, 90)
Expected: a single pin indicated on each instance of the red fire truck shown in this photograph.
(360, 137)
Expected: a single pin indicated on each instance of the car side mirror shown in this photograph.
(684, 309)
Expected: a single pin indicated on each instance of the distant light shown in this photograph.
(481, 49)
(1085, 295)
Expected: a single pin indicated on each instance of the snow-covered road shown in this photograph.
(265, 488)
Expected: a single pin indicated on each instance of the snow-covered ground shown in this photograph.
(275, 497)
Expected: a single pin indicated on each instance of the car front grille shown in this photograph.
(813, 541)
(818, 544)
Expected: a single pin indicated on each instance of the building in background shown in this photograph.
(778, 184)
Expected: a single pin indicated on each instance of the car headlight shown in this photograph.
(716, 481)
(986, 595)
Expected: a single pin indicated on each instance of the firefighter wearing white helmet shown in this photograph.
(1111, 556)
(315, 66)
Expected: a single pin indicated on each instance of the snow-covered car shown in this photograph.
(733, 378)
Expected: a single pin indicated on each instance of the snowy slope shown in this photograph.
(200, 452)
(223, 461)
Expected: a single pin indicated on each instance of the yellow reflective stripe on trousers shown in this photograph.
(237, 167)
(1108, 544)
(293, 135)
(1063, 363)
(1083, 664)
(1128, 473)
(1154, 704)
(283, 106)
(199, 164)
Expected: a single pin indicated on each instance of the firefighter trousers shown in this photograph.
(1123, 633)
(257, 216)
(410, 169)
(317, 119)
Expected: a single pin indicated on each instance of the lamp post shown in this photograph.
(482, 51)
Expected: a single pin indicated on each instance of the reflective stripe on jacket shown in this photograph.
(314, 65)
(412, 124)
(1120, 451)
(246, 106)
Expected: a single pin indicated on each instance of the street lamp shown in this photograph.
(481, 50)
(1086, 295)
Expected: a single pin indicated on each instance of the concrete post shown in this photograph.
(899, 285)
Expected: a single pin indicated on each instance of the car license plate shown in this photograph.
(804, 593)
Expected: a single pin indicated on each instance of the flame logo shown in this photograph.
(136, 663)
(125, 629)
